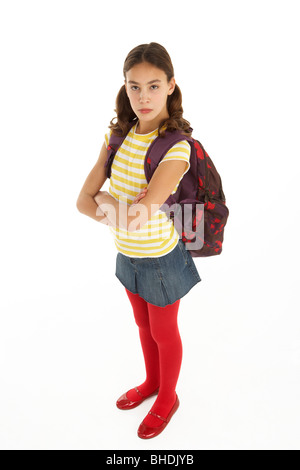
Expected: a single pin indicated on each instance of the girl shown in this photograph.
(152, 262)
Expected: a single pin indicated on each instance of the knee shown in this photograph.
(164, 330)
(162, 335)
(157, 334)
(142, 319)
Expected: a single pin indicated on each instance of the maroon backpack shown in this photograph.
(198, 208)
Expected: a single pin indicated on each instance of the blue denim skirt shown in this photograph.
(162, 280)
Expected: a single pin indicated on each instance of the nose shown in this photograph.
(144, 97)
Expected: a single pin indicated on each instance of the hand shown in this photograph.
(140, 196)
(99, 211)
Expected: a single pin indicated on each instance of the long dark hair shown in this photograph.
(158, 56)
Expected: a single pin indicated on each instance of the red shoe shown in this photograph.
(123, 403)
(146, 432)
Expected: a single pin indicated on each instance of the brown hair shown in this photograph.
(156, 55)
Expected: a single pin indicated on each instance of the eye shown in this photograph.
(134, 87)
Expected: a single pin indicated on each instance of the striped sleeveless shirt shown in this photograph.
(158, 236)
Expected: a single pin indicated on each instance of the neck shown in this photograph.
(143, 130)
(146, 128)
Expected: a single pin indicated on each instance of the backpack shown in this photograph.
(198, 207)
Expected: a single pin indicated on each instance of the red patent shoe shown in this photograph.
(123, 403)
(146, 432)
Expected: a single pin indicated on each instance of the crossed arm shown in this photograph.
(133, 216)
(102, 207)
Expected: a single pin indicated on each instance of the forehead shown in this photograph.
(145, 72)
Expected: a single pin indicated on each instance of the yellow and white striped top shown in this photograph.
(158, 236)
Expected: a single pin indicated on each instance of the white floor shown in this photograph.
(66, 358)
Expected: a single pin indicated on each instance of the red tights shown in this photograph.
(162, 349)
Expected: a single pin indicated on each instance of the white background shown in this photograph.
(69, 343)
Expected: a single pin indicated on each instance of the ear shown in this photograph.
(171, 86)
(125, 86)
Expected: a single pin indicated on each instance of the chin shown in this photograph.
(146, 117)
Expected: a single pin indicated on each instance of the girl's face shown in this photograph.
(147, 89)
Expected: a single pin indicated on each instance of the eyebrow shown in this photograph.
(149, 83)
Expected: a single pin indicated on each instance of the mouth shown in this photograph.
(145, 110)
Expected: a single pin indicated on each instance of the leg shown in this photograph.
(164, 330)
(149, 347)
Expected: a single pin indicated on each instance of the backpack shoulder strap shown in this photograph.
(159, 147)
(114, 144)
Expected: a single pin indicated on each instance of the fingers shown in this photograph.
(140, 196)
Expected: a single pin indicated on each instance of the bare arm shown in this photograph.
(93, 183)
(133, 217)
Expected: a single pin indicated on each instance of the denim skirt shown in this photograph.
(162, 280)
